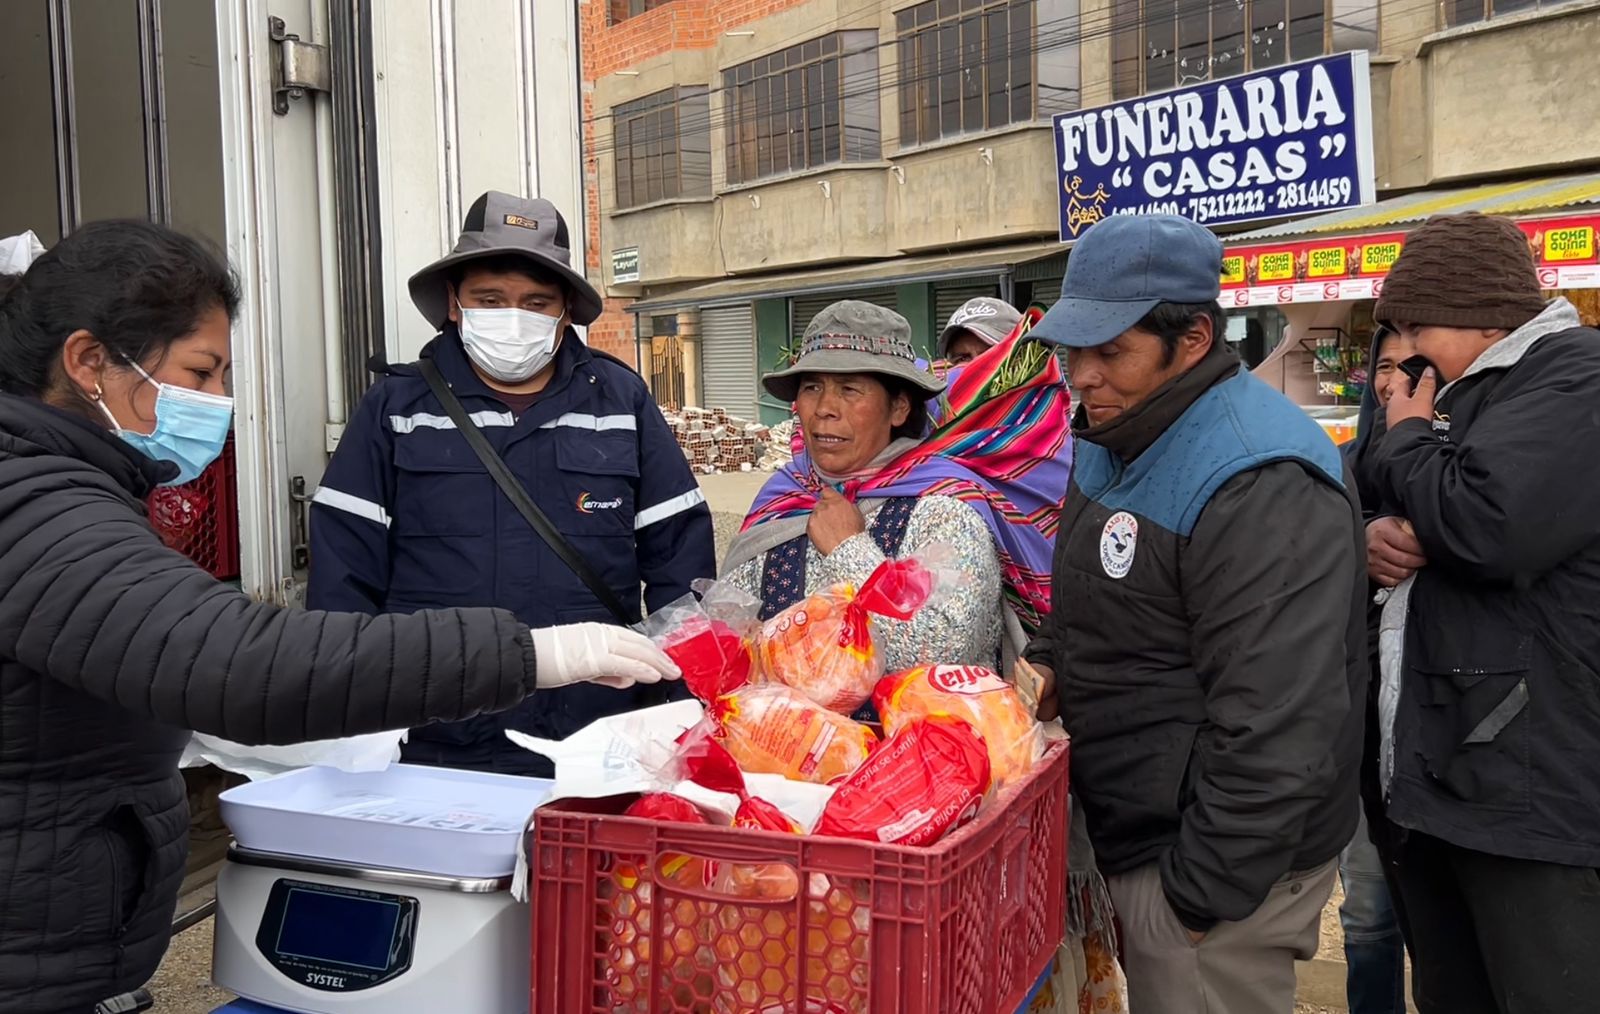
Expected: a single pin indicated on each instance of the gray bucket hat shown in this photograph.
(992, 320)
(498, 224)
(854, 337)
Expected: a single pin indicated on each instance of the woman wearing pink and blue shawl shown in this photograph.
(869, 482)
(869, 485)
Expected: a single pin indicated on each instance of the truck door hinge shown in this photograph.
(300, 67)
(300, 524)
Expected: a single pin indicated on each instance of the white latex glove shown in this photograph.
(598, 653)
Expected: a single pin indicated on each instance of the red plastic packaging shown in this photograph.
(715, 658)
(665, 806)
(964, 926)
(925, 780)
(710, 635)
(975, 695)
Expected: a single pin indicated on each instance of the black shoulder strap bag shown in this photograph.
(519, 497)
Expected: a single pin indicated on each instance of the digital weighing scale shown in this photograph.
(349, 931)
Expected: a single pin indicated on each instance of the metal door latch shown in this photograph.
(300, 67)
(300, 524)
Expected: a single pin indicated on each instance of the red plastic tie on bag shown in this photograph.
(897, 589)
(710, 636)
(716, 659)
(924, 781)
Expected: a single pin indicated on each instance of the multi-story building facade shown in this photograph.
(749, 161)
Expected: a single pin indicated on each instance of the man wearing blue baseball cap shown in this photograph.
(1213, 660)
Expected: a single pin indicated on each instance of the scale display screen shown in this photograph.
(334, 938)
(318, 926)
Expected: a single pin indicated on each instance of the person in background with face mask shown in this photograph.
(114, 359)
(408, 518)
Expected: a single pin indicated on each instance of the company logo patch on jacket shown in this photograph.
(587, 504)
(1118, 540)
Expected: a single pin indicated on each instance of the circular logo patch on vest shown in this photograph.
(1117, 542)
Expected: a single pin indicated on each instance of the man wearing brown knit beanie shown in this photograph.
(1486, 787)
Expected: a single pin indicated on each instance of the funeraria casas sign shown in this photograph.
(1295, 139)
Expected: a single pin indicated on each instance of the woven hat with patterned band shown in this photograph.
(854, 337)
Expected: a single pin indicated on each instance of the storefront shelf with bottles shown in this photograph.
(1339, 363)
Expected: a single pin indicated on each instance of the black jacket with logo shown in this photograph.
(1497, 730)
(1209, 640)
(407, 518)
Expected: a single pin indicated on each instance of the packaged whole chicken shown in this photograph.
(975, 695)
(824, 645)
(923, 782)
(772, 729)
(631, 906)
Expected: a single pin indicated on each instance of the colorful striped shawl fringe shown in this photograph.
(1001, 444)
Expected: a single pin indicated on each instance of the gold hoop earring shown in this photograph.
(99, 395)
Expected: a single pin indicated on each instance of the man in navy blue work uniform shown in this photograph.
(409, 518)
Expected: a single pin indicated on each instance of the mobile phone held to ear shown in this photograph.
(1413, 369)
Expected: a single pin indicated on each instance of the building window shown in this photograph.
(1468, 12)
(1161, 44)
(806, 106)
(965, 66)
(663, 146)
(618, 11)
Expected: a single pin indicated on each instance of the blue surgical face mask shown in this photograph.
(191, 427)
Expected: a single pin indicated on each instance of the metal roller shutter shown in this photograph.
(728, 360)
(1047, 291)
(803, 308)
(947, 298)
(1040, 281)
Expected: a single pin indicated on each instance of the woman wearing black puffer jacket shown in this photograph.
(113, 364)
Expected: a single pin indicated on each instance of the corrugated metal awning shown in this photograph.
(1515, 200)
(875, 274)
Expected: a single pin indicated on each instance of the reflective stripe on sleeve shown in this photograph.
(351, 505)
(668, 508)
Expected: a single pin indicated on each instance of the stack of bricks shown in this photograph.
(714, 441)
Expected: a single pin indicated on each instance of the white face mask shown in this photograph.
(509, 344)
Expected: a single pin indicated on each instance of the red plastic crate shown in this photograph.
(963, 927)
(201, 519)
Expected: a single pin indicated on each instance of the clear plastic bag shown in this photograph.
(772, 729)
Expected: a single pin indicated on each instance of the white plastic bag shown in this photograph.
(17, 252)
(373, 752)
(627, 753)
(615, 755)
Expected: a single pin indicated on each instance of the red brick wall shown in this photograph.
(605, 49)
(613, 332)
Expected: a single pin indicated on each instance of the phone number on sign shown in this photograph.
(1287, 197)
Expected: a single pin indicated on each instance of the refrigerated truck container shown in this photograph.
(330, 148)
